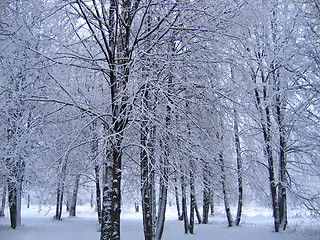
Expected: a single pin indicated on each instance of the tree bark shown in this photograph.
(176, 193)
(206, 194)
(197, 213)
(59, 204)
(282, 191)
(147, 169)
(239, 169)
(12, 197)
(28, 200)
(98, 191)
(162, 198)
(136, 206)
(224, 190)
(111, 207)
(184, 205)
(3, 200)
(266, 130)
(73, 204)
(192, 200)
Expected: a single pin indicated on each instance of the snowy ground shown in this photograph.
(256, 224)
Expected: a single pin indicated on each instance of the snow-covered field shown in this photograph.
(38, 224)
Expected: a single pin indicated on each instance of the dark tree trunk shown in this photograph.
(239, 169)
(162, 198)
(136, 206)
(184, 205)
(28, 200)
(67, 203)
(206, 194)
(198, 213)
(147, 178)
(266, 130)
(110, 224)
(97, 167)
(60, 191)
(91, 199)
(58, 203)
(282, 191)
(12, 197)
(192, 202)
(146, 169)
(3, 201)
(176, 193)
(272, 181)
(211, 206)
(211, 198)
(74, 197)
(225, 192)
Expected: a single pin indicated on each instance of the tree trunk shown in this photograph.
(136, 206)
(197, 213)
(19, 192)
(192, 198)
(211, 206)
(162, 198)
(176, 193)
(74, 197)
(239, 169)
(12, 197)
(98, 192)
(3, 201)
(67, 203)
(225, 192)
(266, 130)
(146, 169)
(111, 207)
(184, 205)
(28, 200)
(282, 191)
(273, 187)
(91, 199)
(147, 178)
(206, 194)
(97, 167)
(58, 202)
(60, 190)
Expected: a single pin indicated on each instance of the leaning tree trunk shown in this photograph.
(74, 197)
(197, 213)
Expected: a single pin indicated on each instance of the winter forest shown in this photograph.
(179, 106)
